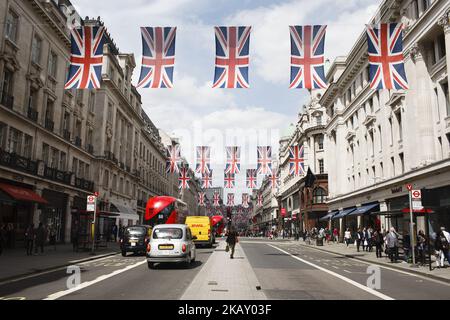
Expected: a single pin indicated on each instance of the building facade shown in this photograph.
(378, 141)
(58, 146)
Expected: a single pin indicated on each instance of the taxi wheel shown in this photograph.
(151, 265)
(124, 253)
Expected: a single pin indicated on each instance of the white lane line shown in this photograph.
(60, 294)
(54, 270)
(335, 267)
(347, 271)
(350, 281)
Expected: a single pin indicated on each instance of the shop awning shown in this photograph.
(343, 213)
(328, 216)
(365, 209)
(125, 212)
(22, 194)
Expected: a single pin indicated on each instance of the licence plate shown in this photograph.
(166, 247)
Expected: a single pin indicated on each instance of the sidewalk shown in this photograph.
(222, 278)
(15, 263)
(341, 249)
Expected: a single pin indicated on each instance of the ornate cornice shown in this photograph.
(444, 21)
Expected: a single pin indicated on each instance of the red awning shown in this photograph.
(423, 210)
(22, 194)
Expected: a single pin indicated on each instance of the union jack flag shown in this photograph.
(245, 200)
(158, 57)
(216, 199)
(307, 57)
(274, 179)
(264, 160)
(230, 181)
(251, 179)
(230, 199)
(296, 160)
(173, 159)
(207, 180)
(203, 159)
(184, 178)
(386, 65)
(232, 57)
(233, 165)
(86, 58)
(260, 200)
(201, 199)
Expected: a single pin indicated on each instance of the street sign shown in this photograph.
(91, 202)
(417, 205)
(409, 187)
(416, 195)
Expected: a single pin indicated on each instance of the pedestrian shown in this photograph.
(12, 231)
(114, 232)
(447, 237)
(359, 238)
(364, 239)
(421, 246)
(336, 235)
(378, 241)
(406, 246)
(52, 237)
(29, 239)
(392, 244)
(347, 237)
(2, 237)
(232, 239)
(75, 235)
(369, 239)
(441, 246)
(40, 238)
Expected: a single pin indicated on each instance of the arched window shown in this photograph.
(319, 195)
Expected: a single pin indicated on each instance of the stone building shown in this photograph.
(379, 141)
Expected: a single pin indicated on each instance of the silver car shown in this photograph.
(171, 243)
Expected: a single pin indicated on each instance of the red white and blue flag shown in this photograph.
(307, 57)
(274, 179)
(245, 200)
(230, 199)
(216, 199)
(264, 160)
(232, 57)
(203, 160)
(233, 165)
(251, 179)
(201, 199)
(260, 199)
(207, 180)
(229, 181)
(184, 178)
(158, 57)
(296, 160)
(386, 61)
(173, 159)
(86, 58)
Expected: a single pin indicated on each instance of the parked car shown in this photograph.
(171, 243)
(135, 239)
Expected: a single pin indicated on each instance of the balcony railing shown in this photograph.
(32, 114)
(78, 141)
(122, 165)
(57, 175)
(14, 161)
(49, 125)
(7, 101)
(84, 184)
(110, 156)
(90, 148)
(66, 135)
(127, 168)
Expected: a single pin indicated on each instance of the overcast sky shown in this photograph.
(201, 115)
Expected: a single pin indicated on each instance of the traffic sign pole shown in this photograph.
(411, 227)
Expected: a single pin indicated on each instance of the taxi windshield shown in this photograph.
(135, 231)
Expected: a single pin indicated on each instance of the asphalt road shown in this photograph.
(290, 271)
(112, 278)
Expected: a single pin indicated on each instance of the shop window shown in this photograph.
(319, 196)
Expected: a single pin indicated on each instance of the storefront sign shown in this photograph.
(397, 190)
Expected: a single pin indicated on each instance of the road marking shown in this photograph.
(347, 271)
(354, 283)
(60, 294)
(335, 267)
(360, 263)
(54, 270)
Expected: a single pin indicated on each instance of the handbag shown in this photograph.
(227, 249)
(366, 243)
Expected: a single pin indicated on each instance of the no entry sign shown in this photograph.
(416, 195)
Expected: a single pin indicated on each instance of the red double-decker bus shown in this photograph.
(165, 210)
(218, 224)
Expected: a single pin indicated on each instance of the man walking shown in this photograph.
(40, 238)
(392, 244)
(232, 239)
(29, 239)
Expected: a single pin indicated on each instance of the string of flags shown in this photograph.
(232, 63)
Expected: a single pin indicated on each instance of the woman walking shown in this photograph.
(347, 237)
(232, 239)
